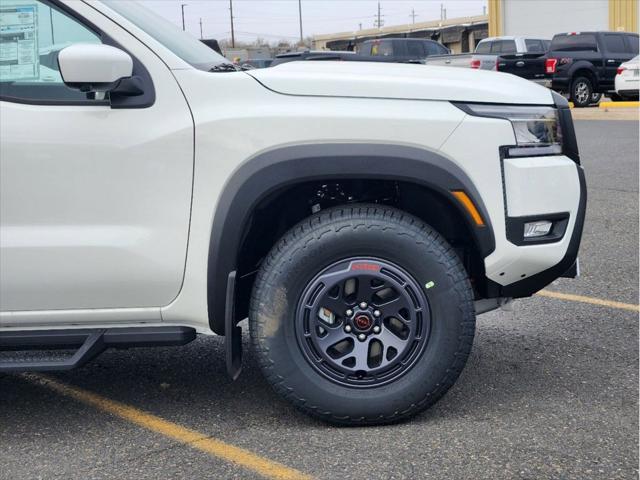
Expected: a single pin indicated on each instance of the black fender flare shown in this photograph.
(584, 65)
(274, 169)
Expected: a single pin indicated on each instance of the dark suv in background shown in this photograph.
(585, 63)
(402, 49)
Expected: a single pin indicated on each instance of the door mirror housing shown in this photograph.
(94, 67)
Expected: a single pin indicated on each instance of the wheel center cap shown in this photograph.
(362, 322)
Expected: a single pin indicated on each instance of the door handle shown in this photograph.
(520, 64)
(610, 61)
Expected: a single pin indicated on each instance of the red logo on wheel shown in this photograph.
(363, 322)
(373, 267)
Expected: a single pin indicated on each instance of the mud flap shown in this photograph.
(233, 333)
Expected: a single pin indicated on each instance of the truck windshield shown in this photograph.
(574, 42)
(181, 43)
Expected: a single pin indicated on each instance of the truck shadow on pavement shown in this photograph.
(508, 371)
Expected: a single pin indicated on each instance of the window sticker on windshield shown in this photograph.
(19, 59)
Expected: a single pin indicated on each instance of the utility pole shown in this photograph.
(182, 7)
(201, 36)
(413, 15)
(300, 15)
(233, 35)
(379, 22)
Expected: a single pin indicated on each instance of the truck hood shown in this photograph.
(402, 81)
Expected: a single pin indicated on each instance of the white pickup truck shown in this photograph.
(359, 215)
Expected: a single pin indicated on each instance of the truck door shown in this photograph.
(94, 200)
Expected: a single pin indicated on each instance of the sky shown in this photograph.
(273, 20)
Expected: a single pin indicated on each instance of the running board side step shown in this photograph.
(89, 344)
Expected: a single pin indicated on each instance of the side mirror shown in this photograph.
(94, 67)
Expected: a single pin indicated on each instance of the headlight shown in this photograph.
(537, 129)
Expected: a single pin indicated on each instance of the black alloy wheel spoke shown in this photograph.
(362, 321)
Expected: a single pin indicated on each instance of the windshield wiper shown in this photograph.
(224, 67)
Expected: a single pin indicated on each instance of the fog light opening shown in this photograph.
(537, 229)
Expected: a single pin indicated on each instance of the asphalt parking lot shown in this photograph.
(550, 390)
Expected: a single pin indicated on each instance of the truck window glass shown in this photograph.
(434, 48)
(534, 46)
(364, 49)
(632, 41)
(415, 50)
(568, 43)
(484, 47)
(382, 49)
(509, 46)
(615, 43)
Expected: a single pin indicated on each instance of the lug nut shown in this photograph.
(349, 312)
(347, 328)
(376, 313)
(362, 337)
(363, 305)
(376, 329)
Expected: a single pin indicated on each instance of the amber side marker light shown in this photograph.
(468, 205)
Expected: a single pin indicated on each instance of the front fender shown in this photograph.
(269, 171)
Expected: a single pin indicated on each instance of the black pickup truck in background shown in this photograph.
(585, 63)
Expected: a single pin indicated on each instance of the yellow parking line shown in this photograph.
(239, 456)
(619, 104)
(591, 300)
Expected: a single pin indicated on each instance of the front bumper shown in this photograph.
(528, 286)
(529, 187)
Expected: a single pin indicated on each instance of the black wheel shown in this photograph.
(595, 98)
(362, 315)
(581, 92)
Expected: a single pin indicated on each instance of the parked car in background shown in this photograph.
(627, 82)
(520, 56)
(402, 49)
(583, 63)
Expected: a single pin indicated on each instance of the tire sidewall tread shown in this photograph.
(280, 358)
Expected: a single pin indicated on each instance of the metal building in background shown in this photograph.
(459, 34)
(535, 18)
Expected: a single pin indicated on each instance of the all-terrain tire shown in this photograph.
(362, 231)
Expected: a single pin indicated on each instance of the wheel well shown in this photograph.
(585, 72)
(284, 208)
